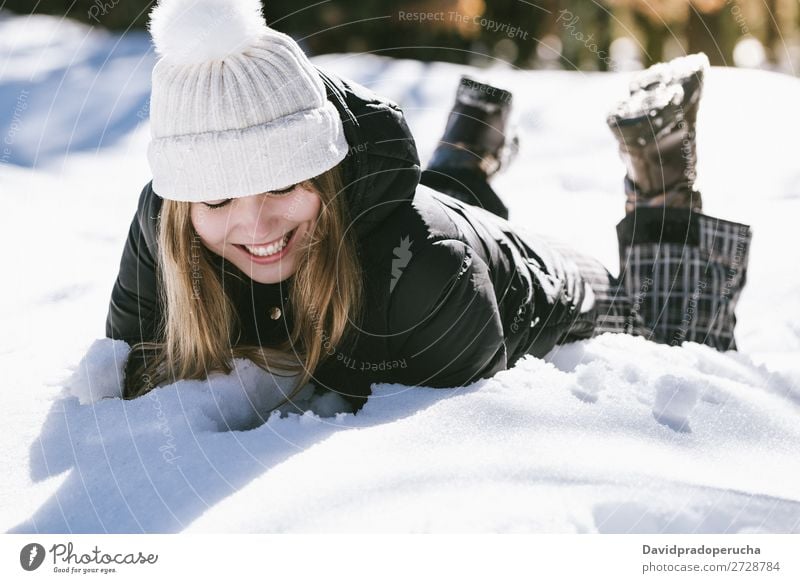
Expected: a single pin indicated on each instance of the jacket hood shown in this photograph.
(381, 169)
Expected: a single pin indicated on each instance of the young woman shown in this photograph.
(288, 222)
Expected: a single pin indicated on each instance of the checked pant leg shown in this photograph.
(684, 272)
(611, 309)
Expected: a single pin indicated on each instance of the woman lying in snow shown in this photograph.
(288, 223)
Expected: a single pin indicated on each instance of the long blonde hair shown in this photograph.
(200, 323)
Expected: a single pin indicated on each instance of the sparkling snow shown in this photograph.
(610, 435)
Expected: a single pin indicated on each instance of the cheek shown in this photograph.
(305, 207)
(212, 229)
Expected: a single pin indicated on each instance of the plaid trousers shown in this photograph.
(681, 272)
(681, 275)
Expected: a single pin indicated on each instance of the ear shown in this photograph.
(100, 373)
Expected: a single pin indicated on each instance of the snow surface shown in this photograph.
(610, 435)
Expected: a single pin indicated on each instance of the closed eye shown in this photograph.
(284, 190)
(218, 204)
(213, 205)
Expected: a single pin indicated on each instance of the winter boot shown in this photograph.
(476, 137)
(656, 127)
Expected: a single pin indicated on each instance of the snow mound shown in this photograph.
(243, 398)
(587, 441)
(100, 373)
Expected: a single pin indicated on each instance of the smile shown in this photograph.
(271, 249)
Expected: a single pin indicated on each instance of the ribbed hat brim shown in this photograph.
(243, 162)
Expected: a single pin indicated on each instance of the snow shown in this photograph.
(610, 435)
(99, 374)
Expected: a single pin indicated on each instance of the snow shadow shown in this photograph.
(81, 101)
(156, 463)
(705, 511)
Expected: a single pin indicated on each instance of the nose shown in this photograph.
(261, 218)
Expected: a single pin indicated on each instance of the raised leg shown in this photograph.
(683, 270)
(476, 145)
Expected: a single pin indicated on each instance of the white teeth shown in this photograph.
(271, 249)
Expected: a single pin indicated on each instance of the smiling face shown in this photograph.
(259, 234)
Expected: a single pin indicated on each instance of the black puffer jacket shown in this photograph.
(452, 293)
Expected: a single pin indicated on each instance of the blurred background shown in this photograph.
(542, 34)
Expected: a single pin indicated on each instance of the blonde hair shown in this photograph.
(200, 323)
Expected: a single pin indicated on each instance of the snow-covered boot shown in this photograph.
(476, 135)
(656, 130)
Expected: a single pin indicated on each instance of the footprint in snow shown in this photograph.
(675, 399)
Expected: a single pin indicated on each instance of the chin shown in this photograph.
(270, 273)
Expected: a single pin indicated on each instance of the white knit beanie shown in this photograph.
(236, 108)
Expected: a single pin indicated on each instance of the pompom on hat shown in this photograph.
(236, 107)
